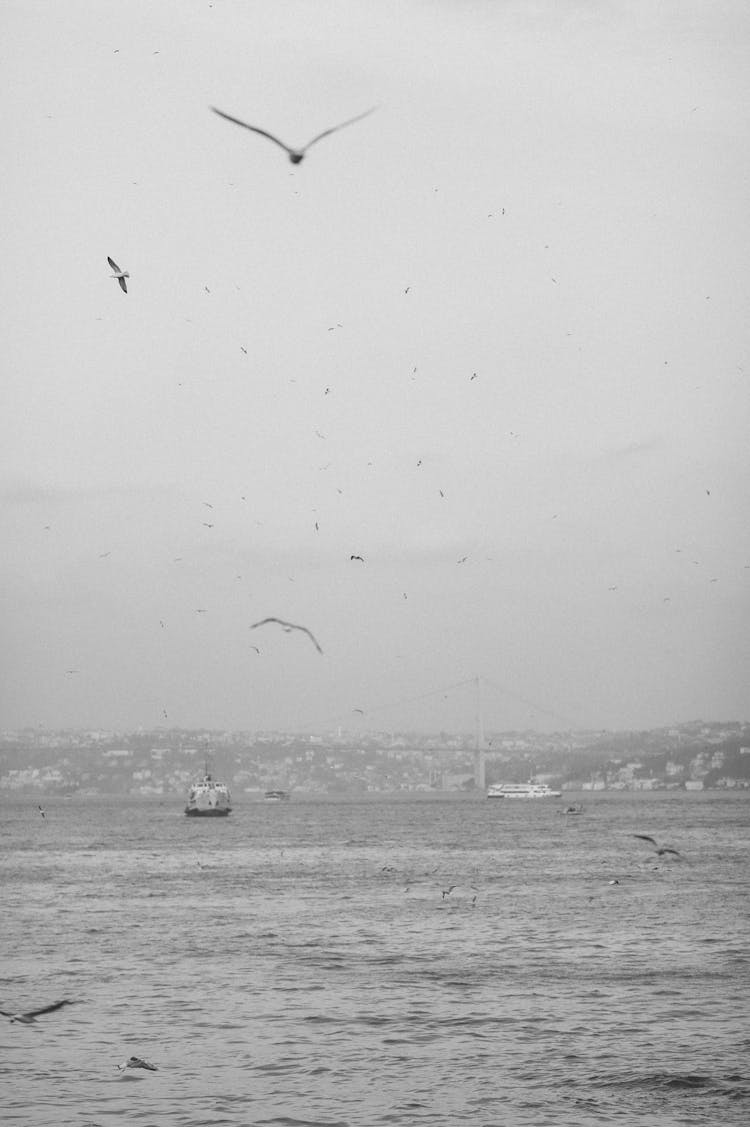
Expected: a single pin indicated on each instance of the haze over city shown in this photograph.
(463, 393)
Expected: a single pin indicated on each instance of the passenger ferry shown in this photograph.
(522, 790)
(208, 798)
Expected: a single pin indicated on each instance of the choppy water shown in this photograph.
(298, 963)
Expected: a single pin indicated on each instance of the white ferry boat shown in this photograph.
(208, 799)
(522, 790)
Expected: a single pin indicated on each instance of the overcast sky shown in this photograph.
(492, 339)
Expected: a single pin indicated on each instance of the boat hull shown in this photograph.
(192, 812)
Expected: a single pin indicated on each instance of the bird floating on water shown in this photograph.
(121, 275)
(295, 155)
(30, 1016)
(289, 626)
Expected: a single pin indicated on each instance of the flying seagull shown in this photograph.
(295, 155)
(42, 811)
(121, 275)
(288, 626)
(361, 560)
(137, 1062)
(30, 1016)
(660, 849)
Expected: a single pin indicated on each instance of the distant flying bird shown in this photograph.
(137, 1062)
(31, 1015)
(121, 275)
(462, 560)
(206, 524)
(361, 560)
(288, 626)
(660, 849)
(295, 155)
(359, 710)
(42, 811)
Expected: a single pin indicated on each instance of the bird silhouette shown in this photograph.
(121, 275)
(295, 155)
(289, 626)
(30, 1016)
(137, 1062)
(660, 849)
(360, 558)
(42, 811)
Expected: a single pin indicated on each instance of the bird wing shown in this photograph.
(668, 849)
(334, 128)
(48, 1009)
(7, 1013)
(113, 264)
(139, 1062)
(311, 636)
(289, 626)
(123, 287)
(253, 128)
(645, 837)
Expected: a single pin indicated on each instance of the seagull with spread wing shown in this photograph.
(30, 1016)
(121, 275)
(289, 626)
(660, 849)
(295, 155)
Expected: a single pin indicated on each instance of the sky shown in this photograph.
(492, 339)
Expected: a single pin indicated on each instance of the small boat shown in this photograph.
(208, 798)
(522, 790)
(576, 808)
(277, 796)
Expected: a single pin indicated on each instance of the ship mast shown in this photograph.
(479, 775)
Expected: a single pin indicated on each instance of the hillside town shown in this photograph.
(693, 756)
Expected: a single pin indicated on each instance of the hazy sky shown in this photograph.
(502, 320)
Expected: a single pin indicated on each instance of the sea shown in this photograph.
(377, 963)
